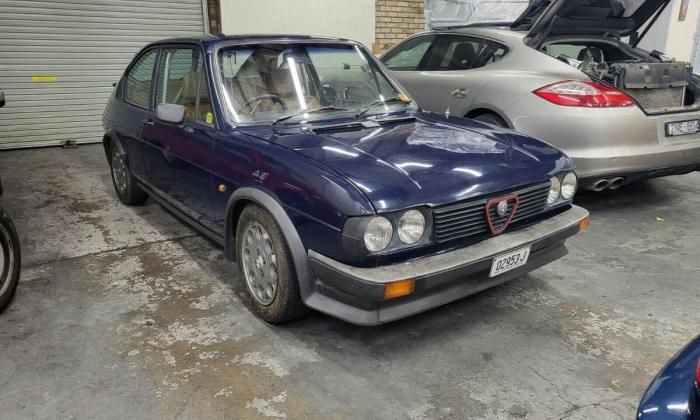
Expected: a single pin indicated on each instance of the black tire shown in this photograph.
(10, 260)
(284, 304)
(125, 184)
(492, 119)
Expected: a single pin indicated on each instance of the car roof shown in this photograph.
(497, 32)
(208, 41)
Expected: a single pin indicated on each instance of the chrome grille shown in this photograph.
(468, 218)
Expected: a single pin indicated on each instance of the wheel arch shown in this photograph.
(249, 195)
(473, 113)
(110, 138)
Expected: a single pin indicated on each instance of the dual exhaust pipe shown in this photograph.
(608, 183)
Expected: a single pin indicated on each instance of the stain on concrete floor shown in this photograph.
(127, 313)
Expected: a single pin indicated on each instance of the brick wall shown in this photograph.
(397, 19)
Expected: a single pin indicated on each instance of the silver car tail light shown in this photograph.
(584, 94)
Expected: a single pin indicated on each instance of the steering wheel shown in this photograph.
(258, 99)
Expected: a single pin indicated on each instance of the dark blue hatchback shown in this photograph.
(315, 171)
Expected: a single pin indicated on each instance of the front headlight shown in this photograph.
(411, 227)
(554, 191)
(568, 186)
(378, 234)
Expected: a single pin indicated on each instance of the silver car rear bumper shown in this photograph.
(609, 142)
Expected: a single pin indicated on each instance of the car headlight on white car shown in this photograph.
(562, 188)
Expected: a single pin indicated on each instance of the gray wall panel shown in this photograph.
(85, 45)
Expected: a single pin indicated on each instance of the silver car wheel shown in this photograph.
(7, 259)
(119, 171)
(259, 263)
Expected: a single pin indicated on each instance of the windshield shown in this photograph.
(267, 82)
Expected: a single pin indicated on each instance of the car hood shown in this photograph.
(427, 159)
(618, 18)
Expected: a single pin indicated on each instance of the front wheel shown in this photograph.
(10, 260)
(266, 267)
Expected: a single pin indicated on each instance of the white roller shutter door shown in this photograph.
(59, 59)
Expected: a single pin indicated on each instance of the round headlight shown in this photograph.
(378, 234)
(568, 186)
(411, 227)
(554, 191)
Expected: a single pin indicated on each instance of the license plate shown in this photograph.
(509, 261)
(681, 128)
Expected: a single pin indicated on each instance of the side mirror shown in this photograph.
(2, 98)
(170, 113)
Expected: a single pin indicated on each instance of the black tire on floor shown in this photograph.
(492, 119)
(10, 260)
(125, 184)
(285, 304)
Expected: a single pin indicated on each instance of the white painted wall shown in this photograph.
(679, 41)
(353, 19)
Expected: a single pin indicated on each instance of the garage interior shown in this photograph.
(127, 312)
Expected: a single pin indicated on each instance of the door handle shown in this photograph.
(460, 93)
(149, 122)
(188, 130)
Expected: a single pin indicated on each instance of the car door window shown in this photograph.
(137, 89)
(458, 52)
(205, 114)
(179, 74)
(409, 55)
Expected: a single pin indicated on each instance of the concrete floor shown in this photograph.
(127, 313)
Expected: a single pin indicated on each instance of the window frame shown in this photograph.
(423, 61)
(205, 71)
(481, 39)
(125, 78)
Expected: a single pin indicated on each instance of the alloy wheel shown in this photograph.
(119, 171)
(259, 263)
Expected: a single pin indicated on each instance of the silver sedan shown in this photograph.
(623, 114)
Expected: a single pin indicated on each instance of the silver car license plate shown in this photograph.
(681, 128)
(509, 261)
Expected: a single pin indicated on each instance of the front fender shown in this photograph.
(273, 206)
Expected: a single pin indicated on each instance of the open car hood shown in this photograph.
(620, 18)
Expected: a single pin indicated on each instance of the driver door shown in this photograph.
(178, 155)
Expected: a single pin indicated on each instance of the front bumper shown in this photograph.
(356, 294)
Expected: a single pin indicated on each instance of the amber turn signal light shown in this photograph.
(399, 288)
(583, 224)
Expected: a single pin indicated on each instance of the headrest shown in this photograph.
(595, 54)
(463, 56)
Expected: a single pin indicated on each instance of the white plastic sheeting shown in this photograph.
(446, 13)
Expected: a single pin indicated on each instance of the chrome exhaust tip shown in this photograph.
(601, 184)
(616, 183)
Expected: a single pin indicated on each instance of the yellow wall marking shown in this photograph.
(43, 78)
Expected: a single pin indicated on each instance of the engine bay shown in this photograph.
(658, 83)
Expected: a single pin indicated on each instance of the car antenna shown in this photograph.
(447, 113)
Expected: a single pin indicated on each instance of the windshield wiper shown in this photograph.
(308, 111)
(376, 104)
